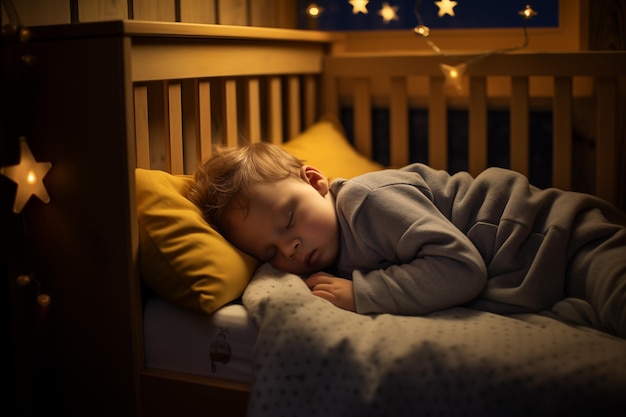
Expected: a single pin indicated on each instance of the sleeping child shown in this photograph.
(415, 240)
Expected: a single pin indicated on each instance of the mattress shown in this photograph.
(218, 345)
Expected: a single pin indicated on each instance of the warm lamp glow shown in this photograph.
(28, 175)
(359, 6)
(388, 13)
(445, 7)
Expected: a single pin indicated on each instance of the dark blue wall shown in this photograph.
(469, 14)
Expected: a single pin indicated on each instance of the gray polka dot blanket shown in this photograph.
(314, 359)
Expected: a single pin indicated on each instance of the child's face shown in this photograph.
(290, 223)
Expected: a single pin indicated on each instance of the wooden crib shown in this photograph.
(112, 96)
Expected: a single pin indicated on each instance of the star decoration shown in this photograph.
(528, 12)
(388, 13)
(453, 74)
(445, 7)
(359, 6)
(28, 175)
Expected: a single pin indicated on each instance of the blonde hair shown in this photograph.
(231, 173)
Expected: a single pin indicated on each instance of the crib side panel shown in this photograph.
(583, 93)
(83, 242)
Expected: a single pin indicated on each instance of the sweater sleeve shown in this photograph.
(431, 264)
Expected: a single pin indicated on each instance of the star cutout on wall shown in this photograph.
(388, 12)
(445, 7)
(453, 74)
(28, 175)
(359, 6)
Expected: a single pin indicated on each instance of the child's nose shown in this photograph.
(290, 247)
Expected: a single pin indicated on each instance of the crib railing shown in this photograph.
(177, 125)
(192, 94)
(517, 81)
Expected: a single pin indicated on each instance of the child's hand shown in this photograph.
(334, 289)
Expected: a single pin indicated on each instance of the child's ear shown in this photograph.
(315, 177)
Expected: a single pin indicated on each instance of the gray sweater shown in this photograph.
(417, 240)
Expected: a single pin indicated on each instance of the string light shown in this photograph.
(454, 73)
(314, 11)
(28, 174)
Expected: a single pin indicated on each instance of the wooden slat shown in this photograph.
(606, 141)
(275, 110)
(477, 152)
(254, 110)
(98, 10)
(562, 133)
(235, 13)
(230, 112)
(191, 125)
(331, 93)
(519, 105)
(158, 125)
(204, 110)
(310, 100)
(197, 11)
(175, 129)
(437, 124)
(155, 10)
(293, 106)
(399, 123)
(362, 102)
(142, 138)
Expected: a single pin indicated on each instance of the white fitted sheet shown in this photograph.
(218, 345)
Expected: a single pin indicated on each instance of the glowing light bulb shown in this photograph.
(453, 74)
(23, 280)
(528, 12)
(43, 300)
(421, 30)
(314, 10)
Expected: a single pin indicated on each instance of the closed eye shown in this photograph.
(290, 220)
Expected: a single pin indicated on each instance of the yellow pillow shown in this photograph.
(183, 259)
(325, 146)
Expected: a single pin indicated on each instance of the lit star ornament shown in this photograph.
(388, 13)
(453, 74)
(528, 12)
(28, 175)
(359, 6)
(445, 7)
